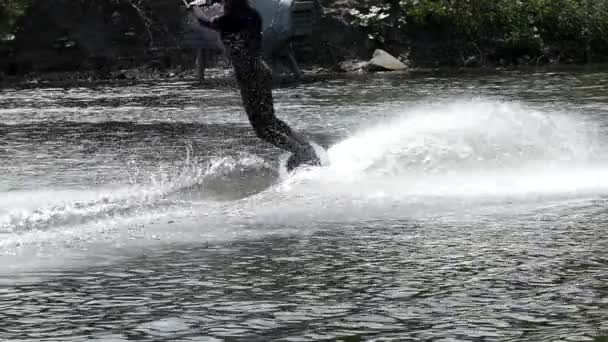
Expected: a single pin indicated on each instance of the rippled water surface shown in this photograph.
(464, 208)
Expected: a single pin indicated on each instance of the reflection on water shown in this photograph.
(467, 208)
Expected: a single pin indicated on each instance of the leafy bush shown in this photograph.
(377, 19)
(530, 27)
(10, 11)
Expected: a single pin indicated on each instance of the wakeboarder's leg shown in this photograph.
(258, 103)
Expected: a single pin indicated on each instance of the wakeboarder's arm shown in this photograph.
(212, 23)
(224, 22)
(203, 20)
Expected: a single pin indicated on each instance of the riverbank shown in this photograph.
(222, 77)
(426, 34)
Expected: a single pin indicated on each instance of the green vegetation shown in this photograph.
(426, 32)
(540, 29)
(10, 12)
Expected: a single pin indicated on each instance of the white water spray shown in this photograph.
(429, 159)
(465, 148)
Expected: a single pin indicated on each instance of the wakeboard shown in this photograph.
(319, 158)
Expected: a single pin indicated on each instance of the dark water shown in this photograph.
(469, 208)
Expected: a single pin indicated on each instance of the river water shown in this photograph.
(451, 208)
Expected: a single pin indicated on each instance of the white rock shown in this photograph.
(382, 60)
(198, 3)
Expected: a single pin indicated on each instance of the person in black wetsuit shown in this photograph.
(240, 28)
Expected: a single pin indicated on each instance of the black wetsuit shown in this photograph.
(241, 33)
